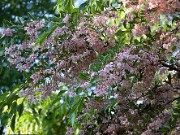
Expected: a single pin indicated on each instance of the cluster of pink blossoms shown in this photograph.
(62, 56)
(7, 32)
(114, 72)
(139, 74)
(144, 71)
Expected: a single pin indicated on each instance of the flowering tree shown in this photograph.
(10, 10)
(107, 67)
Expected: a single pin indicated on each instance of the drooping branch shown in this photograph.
(171, 67)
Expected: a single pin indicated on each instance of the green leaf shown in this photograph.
(169, 79)
(3, 96)
(11, 98)
(84, 5)
(68, 6)
(30, 16)
(13, 120)
(113, 102)
(72, 118)
(14, 106)
(65, 6)
(7, 23)
(45, 35)
(122, 14)
(64, 108)
(20, 109)
(61, 92)
(77, 131)
(165, 128)
(76, 105)
(4, 119)
(59, 6)
(84, 76)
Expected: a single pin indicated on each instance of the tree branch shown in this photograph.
(171, 67)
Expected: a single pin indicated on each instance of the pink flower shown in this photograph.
(29, 30)
(7, 32)
(36, 77)
(156, 124)
(22, 93)
(147, 132)
(153, 4)
(100, 20)
(168, 47)
(112, 79)
(66, 18)
(39, 25)
(138, 30)
(85, 85)
(39, 89)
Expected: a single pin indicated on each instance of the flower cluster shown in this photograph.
(7, 32)
(62, 56)
(132, 90)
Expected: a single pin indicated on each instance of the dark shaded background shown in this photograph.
(10, 9)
